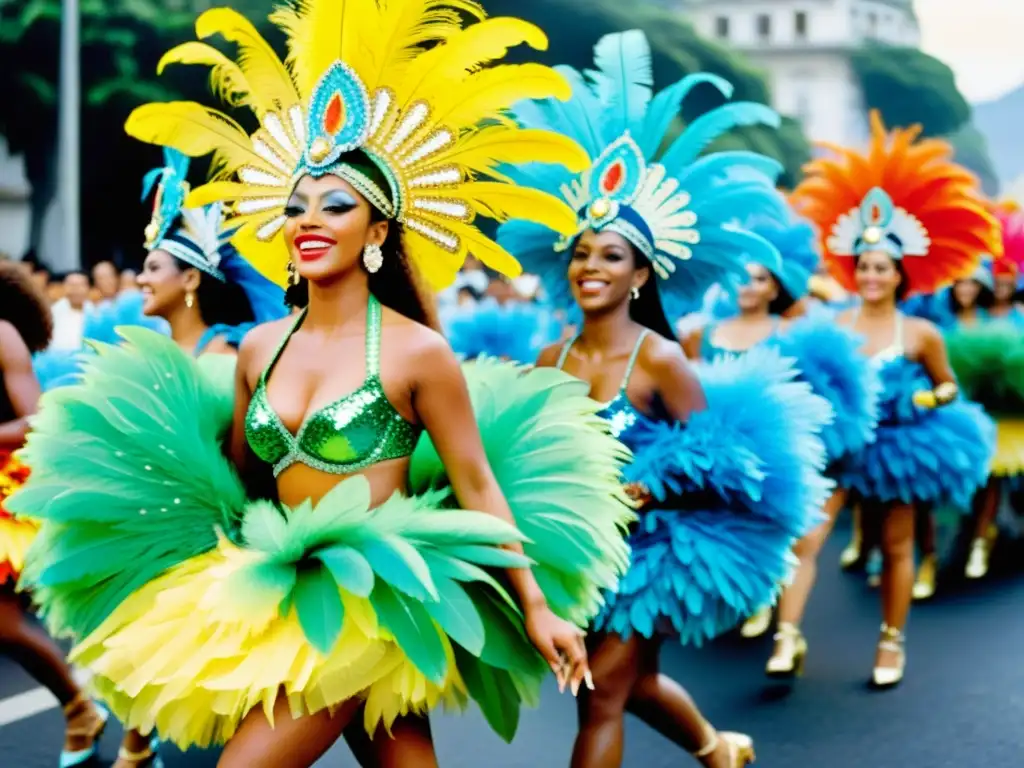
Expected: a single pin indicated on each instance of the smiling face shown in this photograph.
(328, 224)
(878, 278)
(165, 286)
(603, 271)
(759, 291)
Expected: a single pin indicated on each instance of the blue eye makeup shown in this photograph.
(338, 201)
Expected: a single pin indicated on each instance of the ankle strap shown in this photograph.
(787, 629)
(136, 757)
(891, 633)
(712, 744)
(77, 703)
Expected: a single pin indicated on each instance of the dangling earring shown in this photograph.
(293, 273)
(189, 300)
(373, 257)
(635, 293)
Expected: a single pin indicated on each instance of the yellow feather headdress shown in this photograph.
(401, 81)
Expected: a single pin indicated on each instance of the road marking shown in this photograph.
(32, 702)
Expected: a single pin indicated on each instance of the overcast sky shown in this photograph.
(982, 40)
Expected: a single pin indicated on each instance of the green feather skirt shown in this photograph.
(146, 534)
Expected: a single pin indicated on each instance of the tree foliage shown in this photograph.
(908, 86)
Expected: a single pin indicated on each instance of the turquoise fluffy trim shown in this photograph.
(516, 331)
(734, 489)
(828, 357)
(939, 456)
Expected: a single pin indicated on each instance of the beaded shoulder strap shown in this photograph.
(633, 358)
(282, 344)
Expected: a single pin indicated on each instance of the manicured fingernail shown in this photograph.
(575, 687)
(589, 678)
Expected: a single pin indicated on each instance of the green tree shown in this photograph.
(908, 86)
(573, 27)
(121, 41)
(971, 151)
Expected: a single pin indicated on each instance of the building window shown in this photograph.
(800, 25)
(764, 27)
(722, 27)
(872, 23)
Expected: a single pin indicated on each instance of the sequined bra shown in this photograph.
(352, 433)
(619, 412)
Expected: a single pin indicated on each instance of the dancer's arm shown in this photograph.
(674, 380)
(935, 361)
(441, 402)
(20, 383)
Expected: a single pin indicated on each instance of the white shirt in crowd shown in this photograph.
(68, 325)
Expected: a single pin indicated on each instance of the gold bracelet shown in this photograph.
(946, 393)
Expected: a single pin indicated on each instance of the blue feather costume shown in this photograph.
(741, 481)
(516, 331)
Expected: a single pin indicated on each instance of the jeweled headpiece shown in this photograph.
(905, 198)
(196, 236)
(390, 95)
(679, 208)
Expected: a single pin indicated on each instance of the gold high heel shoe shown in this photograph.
(892, 640)
(790, 652)
(757, 624)
(924, 585)
(741, 747)
(981, 548)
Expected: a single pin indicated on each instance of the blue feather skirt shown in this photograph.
(516, 331)
(829, 359)
(939, 456)
(734, 489)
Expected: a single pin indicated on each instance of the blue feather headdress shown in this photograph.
(201, 238)
(797, 243)
(679, 211)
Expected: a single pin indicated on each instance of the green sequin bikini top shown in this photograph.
(352, 433)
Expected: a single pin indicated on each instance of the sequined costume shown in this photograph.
(907, 199)
(741, 481)
(396, 605)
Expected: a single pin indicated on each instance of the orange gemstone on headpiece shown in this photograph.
(334, 114)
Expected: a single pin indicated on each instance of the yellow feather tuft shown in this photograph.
(484, 150)
(228, 191)
(195, 130)
(321, 32)
(506, 201)
(485, 95)
(490, 253)
(436, 266)
(227, 81)
(269, 258)
(467, 51)
(272, 87)
(405, 27)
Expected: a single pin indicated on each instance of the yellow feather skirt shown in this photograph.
(1009, 456)
(16, 534)
(181, 657)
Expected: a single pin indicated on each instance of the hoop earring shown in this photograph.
(635, 293)
(373, 257)
(189, 300)
(293, 273)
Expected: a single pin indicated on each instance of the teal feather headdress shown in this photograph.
(678, 208)
(197, 236)
(797, 243)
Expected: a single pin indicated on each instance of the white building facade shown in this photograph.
(804, 49)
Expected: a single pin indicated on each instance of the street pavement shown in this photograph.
(961, 706)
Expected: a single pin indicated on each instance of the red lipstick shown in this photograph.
(316, 246)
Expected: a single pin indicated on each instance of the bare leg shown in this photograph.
(410, 744)
(855, 551)
(794, 598)
(290, 742)
(986, 507)
(897, 574)
(616, 666)
(925, 535)
(359, 742)
(36, 652)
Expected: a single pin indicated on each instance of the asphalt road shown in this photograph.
(961, 706)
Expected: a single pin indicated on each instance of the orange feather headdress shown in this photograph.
(1012, 228)
(905, 197)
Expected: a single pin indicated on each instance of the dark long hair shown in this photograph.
(783, 301)
(647, 309)
(220, 303)
(985, 300)
(904, 287)
(24, 307)
(396, 284)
